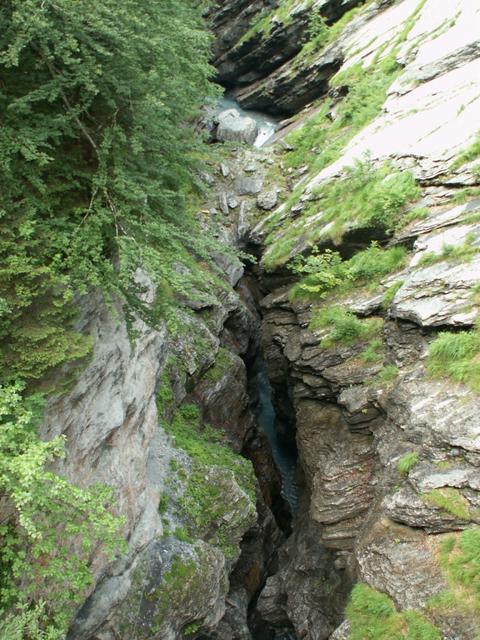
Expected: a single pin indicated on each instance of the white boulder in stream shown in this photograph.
(236, 128)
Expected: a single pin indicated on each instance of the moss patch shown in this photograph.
(223, 363)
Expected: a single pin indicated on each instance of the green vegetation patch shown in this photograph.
(453, 253)
(204, 445)
(470, 154)
(319, 141)
(374, 352)
(182, 579)
(98, 173)
(46, 547)
(390, 293)
(326, 273)
(320, 34)
(223, 363)
(263, 23)
(460, 559)
(387, 375)
(373, 616)
(207, 502)
(407, 462)
(449, 500)
(456, 355)
(344, 326)
(366, 198)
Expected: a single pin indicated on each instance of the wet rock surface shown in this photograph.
(232, 127)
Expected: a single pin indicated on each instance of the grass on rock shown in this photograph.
(366, 198)
(457, 356)
(449, 500)
(344, 326)
(407, 462)
(373, 616)
(326, 273)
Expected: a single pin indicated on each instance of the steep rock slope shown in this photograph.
(161, 414)
(376, 345)
(388, 443)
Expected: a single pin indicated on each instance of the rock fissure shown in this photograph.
(365, 449)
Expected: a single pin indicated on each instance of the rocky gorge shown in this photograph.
(358, 283)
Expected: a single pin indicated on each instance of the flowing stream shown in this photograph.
(284, 456)
(267, 125)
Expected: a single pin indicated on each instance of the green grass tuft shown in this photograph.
(344, 326)
(460, 560)
(407, 462)
(452, 253)
(388, 374)
(472, 153)
(449, 500)
(374, 352)
(456, 355)
(390, 293)
(372, 616)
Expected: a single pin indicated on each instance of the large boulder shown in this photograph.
(236, 128)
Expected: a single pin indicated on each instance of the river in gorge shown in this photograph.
(267, 125)
(284, 455)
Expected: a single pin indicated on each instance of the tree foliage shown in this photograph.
(50, 530)
(97, 161)
(98, 164)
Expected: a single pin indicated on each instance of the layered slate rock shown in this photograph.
(256, 48)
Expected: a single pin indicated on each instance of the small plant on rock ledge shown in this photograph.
(326, 273)
(344, 326)
(407, 462)
(456, 355)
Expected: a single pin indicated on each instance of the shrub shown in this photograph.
(327, 273)
(324, 271)
(46, 546)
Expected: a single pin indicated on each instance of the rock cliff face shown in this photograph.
(162, 414)
(388, 444)
(388, 437)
